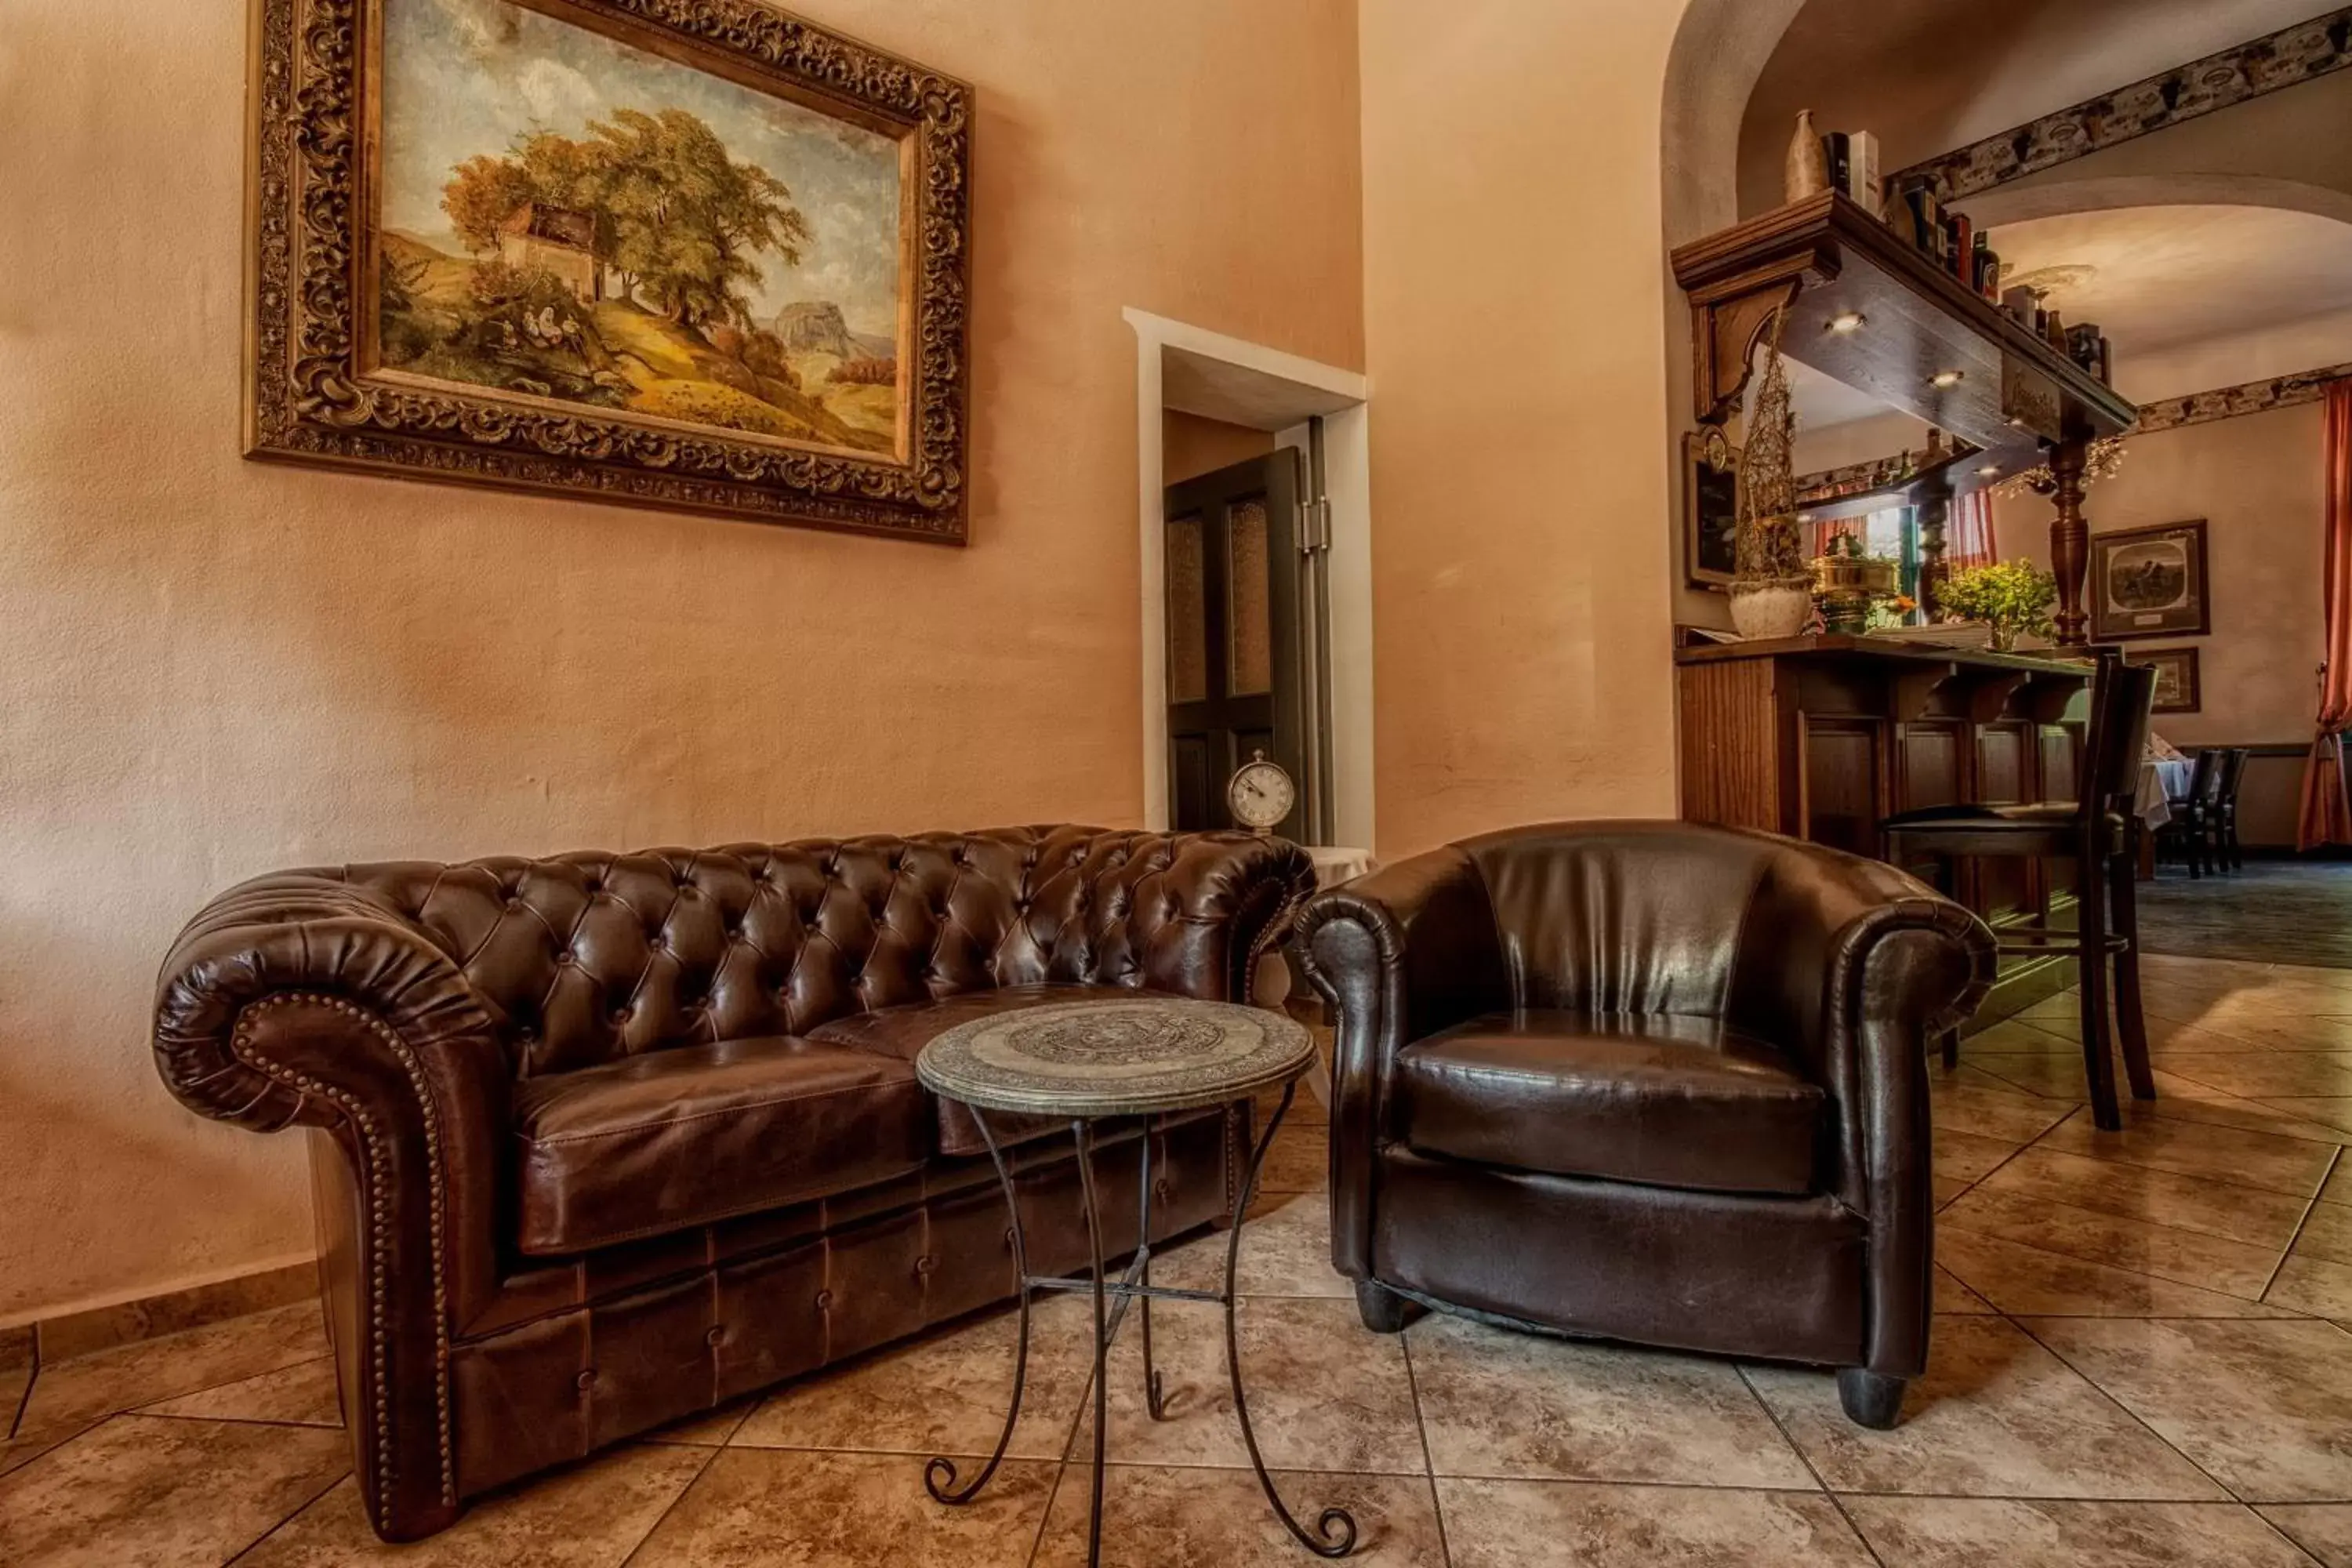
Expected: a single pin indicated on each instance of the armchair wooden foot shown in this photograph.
(1871, 1399)
(1383, 1311)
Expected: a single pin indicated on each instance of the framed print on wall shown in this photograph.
(1710, 509)
(2176, 678)
(2150, 583)
(690, 254)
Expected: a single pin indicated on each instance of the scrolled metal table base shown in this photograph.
(1334, 1534)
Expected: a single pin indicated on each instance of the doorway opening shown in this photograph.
(1253, 485)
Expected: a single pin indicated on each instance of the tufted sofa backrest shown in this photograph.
(590, 957)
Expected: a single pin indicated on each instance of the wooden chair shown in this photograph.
(2228, 853)
(2094, 831)
(2185, 832)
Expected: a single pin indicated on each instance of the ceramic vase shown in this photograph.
(1808, 173)
(1772, 606)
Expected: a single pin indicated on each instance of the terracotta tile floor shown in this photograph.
(2143, 1355)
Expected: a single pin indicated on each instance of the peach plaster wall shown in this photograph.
(215, 668)
(1514, 287)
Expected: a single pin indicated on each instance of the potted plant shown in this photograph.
(2010, 596)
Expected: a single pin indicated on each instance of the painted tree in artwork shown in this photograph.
(482, 191)
(687, 219)
(681, 221)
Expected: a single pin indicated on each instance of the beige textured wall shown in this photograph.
(2256, 480)
(1513, 286)
(215, 668)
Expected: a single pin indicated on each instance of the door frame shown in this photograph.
(1195, 371)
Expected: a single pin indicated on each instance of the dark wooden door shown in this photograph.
(1234, 674)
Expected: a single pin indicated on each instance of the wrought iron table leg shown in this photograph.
(939, 1474)
(1335, 1528)
(1102, 1339)
(1154, 1399)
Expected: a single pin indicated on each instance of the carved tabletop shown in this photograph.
(1122, 1058)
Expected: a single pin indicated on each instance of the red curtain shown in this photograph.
(1969, 540)
(2326, 808)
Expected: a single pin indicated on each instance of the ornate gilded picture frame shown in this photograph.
(696, 255)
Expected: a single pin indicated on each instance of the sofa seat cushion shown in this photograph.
(697, 1134)
(901, 1033)
(1661, 1100)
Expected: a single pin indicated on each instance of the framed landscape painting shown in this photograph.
(2150, 583)
(692, 254)
(2176, 678)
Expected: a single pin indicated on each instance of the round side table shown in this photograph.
(1084, 1061)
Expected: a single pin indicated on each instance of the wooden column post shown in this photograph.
(2070, 540)
(1933, 502)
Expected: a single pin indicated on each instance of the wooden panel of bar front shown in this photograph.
(1822, 737)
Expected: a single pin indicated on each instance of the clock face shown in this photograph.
(1260, 794)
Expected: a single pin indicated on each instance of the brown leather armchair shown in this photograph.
(601, 1141)
(1645, 1082)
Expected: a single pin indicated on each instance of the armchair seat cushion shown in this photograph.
(1663, 1100)
(697, 1134)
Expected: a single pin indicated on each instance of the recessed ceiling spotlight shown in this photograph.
(1847, 321)
(1947, 378)
(1804, 517)
(1988, 471)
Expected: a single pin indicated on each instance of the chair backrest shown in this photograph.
(2233, 774)
(2204, 777)
(2121, 696)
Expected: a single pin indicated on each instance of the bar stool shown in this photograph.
(2096, 831)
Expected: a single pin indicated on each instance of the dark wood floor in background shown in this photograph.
(2273, 911)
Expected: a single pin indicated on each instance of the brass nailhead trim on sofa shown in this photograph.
(379, 1223)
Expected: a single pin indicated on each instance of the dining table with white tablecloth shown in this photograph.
(2162, 780)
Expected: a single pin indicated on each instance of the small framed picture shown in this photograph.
(2150, 583)
(2176, 678)
(1710, 507)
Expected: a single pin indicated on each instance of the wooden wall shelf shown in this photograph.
(1827, 257)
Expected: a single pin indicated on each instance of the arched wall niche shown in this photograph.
(1719, 51)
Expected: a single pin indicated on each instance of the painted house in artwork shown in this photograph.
(559, 239)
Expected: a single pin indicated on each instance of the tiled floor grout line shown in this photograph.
(24, 1400)
(305, 1506)
(662, 1518)
(2142, 1222)
(1807, 1459)
(2292, 1543)
(2301, 1220)
(2117, 1269)
(1428, 1459)
(2228, 1491)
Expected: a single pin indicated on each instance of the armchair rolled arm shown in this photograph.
(301, 999)
(1398, 955)
(1860, 966)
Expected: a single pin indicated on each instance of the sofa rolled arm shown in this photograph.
(1235, 895)
(1398, 955)
(301, 999)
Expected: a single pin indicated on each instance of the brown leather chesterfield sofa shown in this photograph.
(1645, 1082)
(601, 1141)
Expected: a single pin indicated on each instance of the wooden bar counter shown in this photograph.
(1821, 737)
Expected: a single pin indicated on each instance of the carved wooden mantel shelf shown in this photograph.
(1919, 340)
